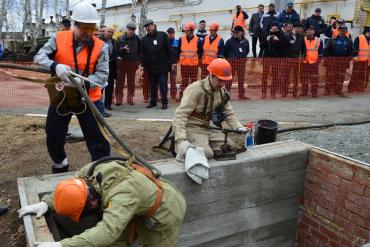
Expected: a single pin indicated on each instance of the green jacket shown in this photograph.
(133, 196)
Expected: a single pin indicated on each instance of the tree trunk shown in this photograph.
(143, 13)
(68, 16)
(103, 9)
(39, 8)
(133, 10)
(26, 17)
(57, 21)
(2, 18)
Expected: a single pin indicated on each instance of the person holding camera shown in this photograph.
(275, 45)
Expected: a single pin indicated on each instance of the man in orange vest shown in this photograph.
(213, 47)
(239, 18)
(310, 66)
(189, 52)
(333, 29)
(360, 71)
(83, 53)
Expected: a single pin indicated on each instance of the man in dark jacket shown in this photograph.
(129, 52)
(266, 22)
(113, 54)
(157, 58)
(289, 15)
(275, 47)
(317, 22)
(236, 51)
(202, 31)
(296, 51)
(339, 51)
(255, 29)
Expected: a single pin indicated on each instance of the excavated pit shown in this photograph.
(279, 194)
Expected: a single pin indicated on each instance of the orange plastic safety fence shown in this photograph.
(267, 78)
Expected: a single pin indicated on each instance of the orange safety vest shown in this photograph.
(210, 51)
(239, 20)
(312, 50)
(335, 33)
(363, 49)
(189, 51)
(64, 55)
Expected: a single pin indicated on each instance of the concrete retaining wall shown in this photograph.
(252, 201)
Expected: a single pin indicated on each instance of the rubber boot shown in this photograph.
(3, 210)
(56, 170)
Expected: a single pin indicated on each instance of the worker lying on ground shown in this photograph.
(203, 101)
(133, 204)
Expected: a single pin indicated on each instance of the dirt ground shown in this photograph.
(23, 153)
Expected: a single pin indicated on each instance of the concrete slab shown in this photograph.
(250, 201)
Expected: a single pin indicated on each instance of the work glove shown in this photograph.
(70, 84)
(242, 129)
(62, 72)
(47, 244)
(39, 209)
(182, 147)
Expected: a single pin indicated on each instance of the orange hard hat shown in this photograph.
(70, 198)
(189, 26)
(214, 26)
(221, 69)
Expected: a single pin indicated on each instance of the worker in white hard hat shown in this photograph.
(81, 52)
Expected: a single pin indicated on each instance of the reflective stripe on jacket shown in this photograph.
(363, 49)
(312, 50)
(210, 50)
(189, 51)
(64, 55)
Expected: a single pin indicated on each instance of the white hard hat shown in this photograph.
(84, 12)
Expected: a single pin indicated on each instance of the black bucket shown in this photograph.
(266, 131)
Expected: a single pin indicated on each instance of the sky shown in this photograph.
(110, 3)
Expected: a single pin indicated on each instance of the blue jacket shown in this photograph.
(339, 47)
(1, 51)
(293, 17)
(235, 48)
(175, 46)
(267, 20)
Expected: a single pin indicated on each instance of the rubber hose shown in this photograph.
(322, 126)
(22, 67)
(90, 172)
(165, 138)
(102, 121)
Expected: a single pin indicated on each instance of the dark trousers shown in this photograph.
(163, 86)
(335, 74)
(359, 78)
(108, 97)
(188, 74)
(290, 66)
(205, 72)
(273, 65)
(173, 89)
(238, 66)
(146, 85)
(126, 69)
(310, 77)
(254, 47)
(56, 129)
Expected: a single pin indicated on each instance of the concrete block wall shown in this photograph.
(335, 208)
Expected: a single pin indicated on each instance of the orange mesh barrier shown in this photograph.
(252, 79)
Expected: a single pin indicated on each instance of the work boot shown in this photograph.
(164, 107)
(3, 210)
(108, 107)
(106, 114)
(56, 170)
(151, 105)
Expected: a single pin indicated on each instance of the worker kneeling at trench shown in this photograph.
(134, 206)
(204, 103)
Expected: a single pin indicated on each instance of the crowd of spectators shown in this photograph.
(280, 35)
